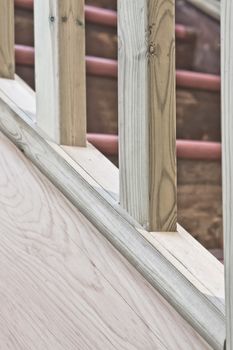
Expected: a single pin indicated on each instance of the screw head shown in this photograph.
(151, 49)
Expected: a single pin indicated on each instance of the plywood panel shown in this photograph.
(62, 285)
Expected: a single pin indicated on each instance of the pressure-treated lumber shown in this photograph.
(97, 166)
(147, 112)
(167, 273)
(92, 295)
(227, 158)
(60, 70)
(7, 55)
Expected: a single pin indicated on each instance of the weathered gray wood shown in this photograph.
(147, 112)
(198, 306)
(227, 159)
(60, 70)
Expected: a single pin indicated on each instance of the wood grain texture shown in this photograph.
(7, 39)
(162, 115)
(60, 70)
(97, 166)
(147, 112)
(125, 234)
(227, 159)
(63, 286)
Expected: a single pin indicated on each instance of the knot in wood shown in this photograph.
(64, 19)
(151, 49)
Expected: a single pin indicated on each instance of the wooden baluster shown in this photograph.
(60, 70)
(227, 159)
(7, 39)
(147, 112)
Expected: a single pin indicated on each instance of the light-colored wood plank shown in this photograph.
(62, 285)
(60, 70)
(147, 112)
(162, 115)
(98, 166)
(20, 94)
(155, 264)
(227, 158)
(193, 261)
(7, 39)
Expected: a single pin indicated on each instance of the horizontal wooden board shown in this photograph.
(198, 115)
(199, 172)
(200, 201)
(200, 212)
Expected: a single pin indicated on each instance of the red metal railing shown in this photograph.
(108, 144)
(24, 55)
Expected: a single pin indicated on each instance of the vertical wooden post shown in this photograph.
(60, 70)
(147, 112)
(227, 158)
(7, 39)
